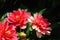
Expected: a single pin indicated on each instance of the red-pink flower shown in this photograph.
(40, 24)
(19, 18)
(7, 32)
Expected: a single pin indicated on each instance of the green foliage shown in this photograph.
(42, 11)
(3, 17)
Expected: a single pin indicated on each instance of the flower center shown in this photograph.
(8, 32)
(17, 16)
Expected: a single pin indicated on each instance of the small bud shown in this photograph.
(22, 34)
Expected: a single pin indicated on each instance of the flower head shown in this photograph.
(40, 24)
(7, 32)
(19, 18)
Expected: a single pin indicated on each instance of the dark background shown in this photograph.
(52, 12)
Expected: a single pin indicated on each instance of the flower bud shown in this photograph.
(22, 34)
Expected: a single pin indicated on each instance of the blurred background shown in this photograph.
(52, 12)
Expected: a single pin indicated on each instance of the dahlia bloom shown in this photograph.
(40, 24)
(7, 32)
(18, 18)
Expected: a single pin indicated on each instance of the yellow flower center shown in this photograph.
(8, 32)
(17, 16)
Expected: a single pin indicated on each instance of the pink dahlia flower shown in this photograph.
(19, 18)
(40, 24)
(7, 32)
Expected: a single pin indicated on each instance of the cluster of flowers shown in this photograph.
(20, 18)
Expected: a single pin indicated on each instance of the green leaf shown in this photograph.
(28, 38)
(3, 17)
(30, 29)
(42, 11)
(27, 30)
